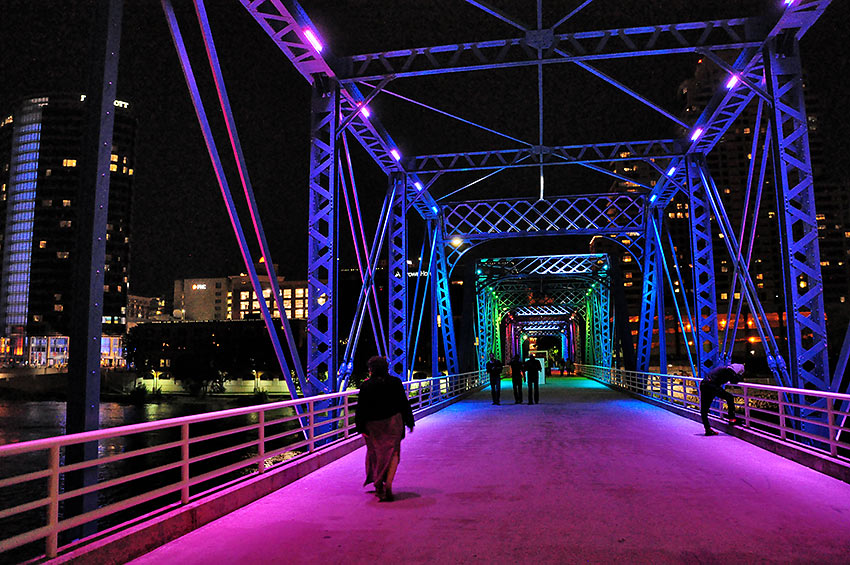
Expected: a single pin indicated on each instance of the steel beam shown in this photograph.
(702, 259)
(534, 156)
(798, 226)
(322, 237)
(540, 47)
(397, 283)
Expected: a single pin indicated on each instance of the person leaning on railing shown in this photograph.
(382, 412)
(712, 387)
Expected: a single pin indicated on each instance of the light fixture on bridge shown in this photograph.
(733, 80)
(456, 242)
(314, 41)
(653, 198)
(418, 185)
(696, 134)
(396, 155)
(671, 171)
(365, 111)
(435, 209)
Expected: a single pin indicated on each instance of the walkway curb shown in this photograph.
(142, 538)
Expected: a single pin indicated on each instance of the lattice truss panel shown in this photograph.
(559, 287)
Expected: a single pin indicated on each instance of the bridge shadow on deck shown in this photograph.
(588, 475)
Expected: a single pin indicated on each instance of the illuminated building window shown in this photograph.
(628, 283)
(287, 304)
(130, 172)
(62, 254)
(113, 167)
(299, 304)
(125, 160)
(824, 263)
(724, 269)
(66, 203)
(124, 170)
(771, 214)
(243, 306)
(256, 305)
(42, 244)
(113, 158)
(244, 295)
(69, 162)
(627, 258)
(58, 307)
(671, 215)
(737, 295)
(287, 292)
(842, 299)
(746, 130)
(760, 276)
(628, 275)
(299, 313)
(820, 216)
(37, 317)
(724, 296)
(299, 293)
(267, 292)
(57, 297)
(48, 172)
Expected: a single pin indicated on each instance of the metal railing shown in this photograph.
(816, 425)
(149, 468)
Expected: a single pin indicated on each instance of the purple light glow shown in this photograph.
(789, 2)
(696, 134)
(314, 41)
(733, 80)
(396, 155)
(365, 111)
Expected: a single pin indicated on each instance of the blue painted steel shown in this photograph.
(533, 156)
(321, 240)
(798, 227)
(397, 283)
(444, 320)
(590, 45)
(651, 289)
(702, 260)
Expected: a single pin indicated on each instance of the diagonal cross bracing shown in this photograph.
(536, 156)
(523, 51)
(618, 213)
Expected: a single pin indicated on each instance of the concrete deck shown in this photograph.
(587, 476)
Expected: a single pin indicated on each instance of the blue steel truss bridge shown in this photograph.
(478, 215)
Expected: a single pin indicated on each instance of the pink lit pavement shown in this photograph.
(587, 476)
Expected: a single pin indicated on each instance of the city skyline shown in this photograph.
(177, 205)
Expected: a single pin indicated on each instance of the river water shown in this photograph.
(24, 421)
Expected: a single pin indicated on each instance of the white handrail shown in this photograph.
(317, 423)
(762, 408)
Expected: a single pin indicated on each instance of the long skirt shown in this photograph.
(382, 443)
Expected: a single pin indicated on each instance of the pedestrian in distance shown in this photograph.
(381, 415)
(569, 366)
(711, 387)
(532, 373)
(517, 378)
(494, 369)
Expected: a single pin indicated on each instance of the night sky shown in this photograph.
(180, 228)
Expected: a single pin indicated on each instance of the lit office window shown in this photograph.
(61, 254)
(42, 244)
(113, 167)
(69, 162)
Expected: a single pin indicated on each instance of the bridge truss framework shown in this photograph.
(766, 71)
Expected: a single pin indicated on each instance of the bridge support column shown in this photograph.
(652, 281)
(798, 227)
(322, 341)
(442, 318)
(397, 283)
(702, 257)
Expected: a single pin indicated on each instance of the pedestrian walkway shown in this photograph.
(587, 476)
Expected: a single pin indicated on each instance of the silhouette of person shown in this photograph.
(382, 412)
(712, 387)
(494, 369)
(532, 373)
(517, 378)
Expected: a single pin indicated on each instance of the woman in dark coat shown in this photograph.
(382, 412)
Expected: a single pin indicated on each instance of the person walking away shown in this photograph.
(381, 414)
(494, 369)
(712, 387)
(532, 373)
(569, 366)
(517, 378)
